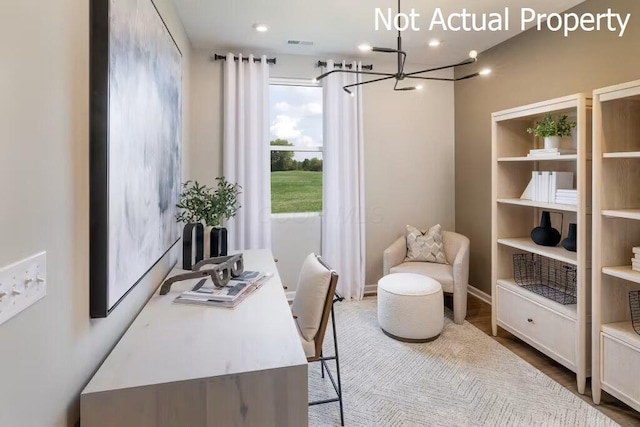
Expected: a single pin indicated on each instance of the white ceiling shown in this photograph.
(337, 27)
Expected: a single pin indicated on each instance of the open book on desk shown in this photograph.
(238, 288)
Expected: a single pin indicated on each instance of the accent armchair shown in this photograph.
(454, 277)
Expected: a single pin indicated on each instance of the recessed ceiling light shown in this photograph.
(435, 43)
(261, 28)
(364, 47)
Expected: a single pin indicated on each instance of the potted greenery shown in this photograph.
(204, 205)
(553, 130)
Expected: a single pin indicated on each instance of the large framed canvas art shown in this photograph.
(136, 146)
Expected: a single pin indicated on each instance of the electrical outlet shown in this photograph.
(22, 284)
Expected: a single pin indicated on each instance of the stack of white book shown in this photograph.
(635, 261)
(567, 197)
(544, 186)
(546, 152)
(238, 288)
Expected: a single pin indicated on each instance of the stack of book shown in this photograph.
(544, 186)
(238, 288)
(547, 152)
(567, 197)
(635, 261)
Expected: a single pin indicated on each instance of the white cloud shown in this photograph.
(311, 109)
(283, 106)
(284, 127)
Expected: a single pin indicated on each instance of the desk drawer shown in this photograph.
(542, 327)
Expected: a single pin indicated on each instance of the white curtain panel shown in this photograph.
(343, 218)
(246, 149)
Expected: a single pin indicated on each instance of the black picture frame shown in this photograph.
(99, 161)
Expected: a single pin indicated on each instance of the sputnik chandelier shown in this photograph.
(400, 74)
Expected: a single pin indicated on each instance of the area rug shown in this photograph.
(464, 378)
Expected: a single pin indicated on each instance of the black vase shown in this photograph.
(218, 242)
(545, 235)
(570, 243)
(188, 243)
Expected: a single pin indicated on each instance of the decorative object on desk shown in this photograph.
(199, 203)
(223, 268)
(570, 242)
(553, 130)
(135, 146)
(634, 305)
(553, 279)
(188, 243)
(545, 235)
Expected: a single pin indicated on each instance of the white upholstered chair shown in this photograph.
(312, 305)
(454, 276)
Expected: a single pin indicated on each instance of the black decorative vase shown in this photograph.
(218, 242)
(545, 235)
(570, 243)
(192, 238)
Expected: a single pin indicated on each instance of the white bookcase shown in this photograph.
(616, 230)
(559, 331)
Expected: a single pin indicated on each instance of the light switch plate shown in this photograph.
(22, 284)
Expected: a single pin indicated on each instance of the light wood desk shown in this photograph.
(193, 365)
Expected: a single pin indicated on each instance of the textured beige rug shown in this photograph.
(464, 378)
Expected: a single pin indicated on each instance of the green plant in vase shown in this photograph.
(553, 130)
(210, 207)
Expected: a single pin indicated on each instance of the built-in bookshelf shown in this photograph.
(560, 331)
(616, 230)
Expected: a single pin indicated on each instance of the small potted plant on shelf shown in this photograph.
(553, 130)
(200, 204)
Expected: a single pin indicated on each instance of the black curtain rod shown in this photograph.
(339, 65)
(217, 57)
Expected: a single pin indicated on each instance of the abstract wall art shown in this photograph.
(135, 146)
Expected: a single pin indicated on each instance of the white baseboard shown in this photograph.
(371, 290)
(481, 295)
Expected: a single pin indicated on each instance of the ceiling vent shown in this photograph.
(300, 42)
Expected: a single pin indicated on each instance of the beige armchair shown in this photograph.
(454, 277)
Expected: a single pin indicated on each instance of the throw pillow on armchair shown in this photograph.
(425, 246)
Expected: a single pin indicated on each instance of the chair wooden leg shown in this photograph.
(322, 366)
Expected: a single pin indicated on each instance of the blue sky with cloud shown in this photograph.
(296, 115)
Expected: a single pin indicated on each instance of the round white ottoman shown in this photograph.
(410, 307)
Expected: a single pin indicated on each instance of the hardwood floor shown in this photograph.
(479, 315)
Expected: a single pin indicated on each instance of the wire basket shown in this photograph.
(634, 304)
(548, 277)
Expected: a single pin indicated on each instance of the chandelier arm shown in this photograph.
(467, 62)
(470, 76)
(441, 79)
(346, 88)
(371, 73)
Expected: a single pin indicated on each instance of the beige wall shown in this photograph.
(531, 67)
(409, 153)
(50, 351)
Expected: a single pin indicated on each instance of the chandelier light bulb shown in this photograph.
(473, 54)
(485, 72)
(261, 28)
(435, 43)
(364, 47)
(419, 87)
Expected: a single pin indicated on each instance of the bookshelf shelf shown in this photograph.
(623, 272)
(526, 244)
(541, 205)
(622, 213)
(616, 228)
(622, 155)
(561, 331)
(563, 158)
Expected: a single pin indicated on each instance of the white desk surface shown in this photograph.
(171, 342)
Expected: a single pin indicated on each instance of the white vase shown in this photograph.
(552, 142)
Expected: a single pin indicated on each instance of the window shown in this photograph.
(296, 146)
